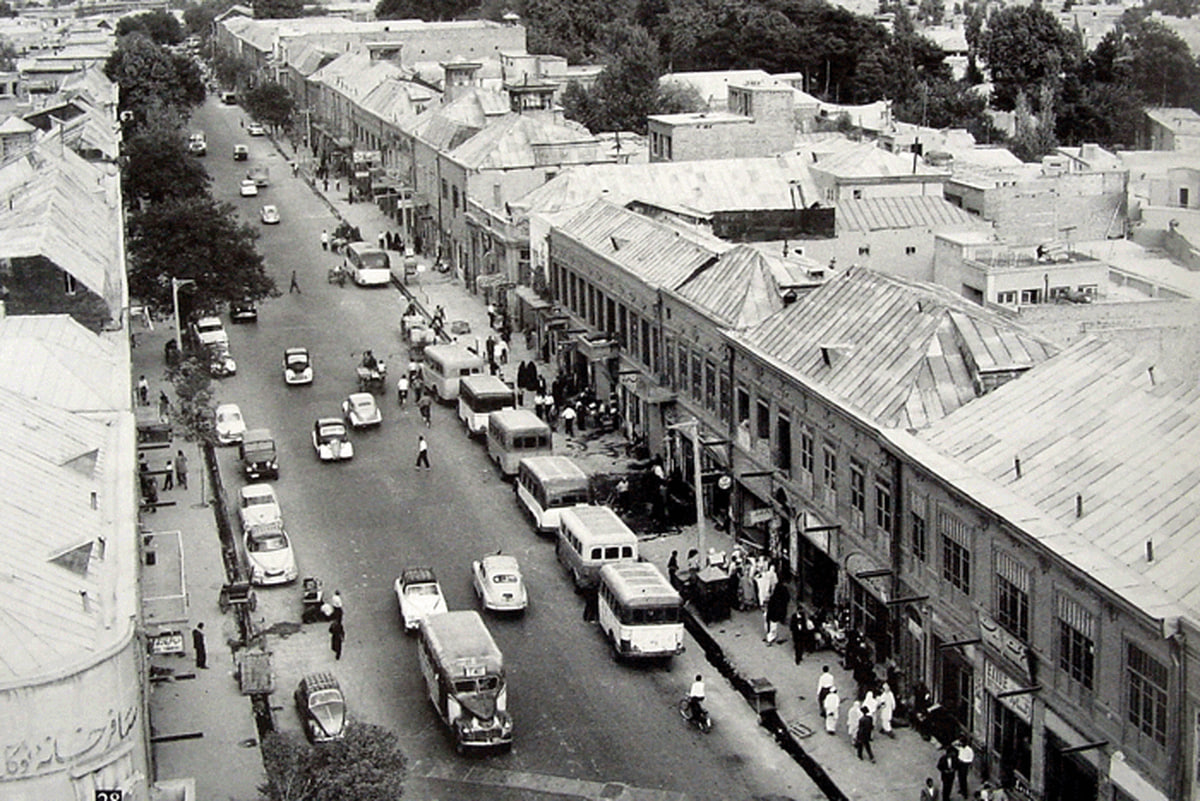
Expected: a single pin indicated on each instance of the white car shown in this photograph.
(297, 366)
(498, 583)
(419, 595)
(258, 506)
(256, 129)
(331, 440)
(210, 331)
(249, 188)
(269, 552)
(230, 425)
(361, 410)
(270, 215)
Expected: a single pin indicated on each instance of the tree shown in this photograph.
(573, 29)
(1025, 47)
(278, 9)
(578, 106)
(161, 26)
(194, 405)
(1034, 137)
(428, 10)
(627, 91)
(8, 56)
(6, 9)
(931, 12)
(150, 76)
(198, 17)
(678, 98)
(367, 765)
(1162, 70)
(271, 103)
(198, 238)
(157, 165)
(232, 70)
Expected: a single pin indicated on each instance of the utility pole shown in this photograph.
(692, 429)
(175, 284)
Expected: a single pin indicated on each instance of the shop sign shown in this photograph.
(1008, 646)
(817, 536)
(996, 681)
(755, 517)
(167, 642)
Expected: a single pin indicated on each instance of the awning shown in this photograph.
(870, 574)
(492, 280)
(531, 298)
(646, 389)
(596, 347)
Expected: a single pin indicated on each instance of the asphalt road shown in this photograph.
(578, 715)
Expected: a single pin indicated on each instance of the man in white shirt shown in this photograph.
(824, 685)
(696, 697)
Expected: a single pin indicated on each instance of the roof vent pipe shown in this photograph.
(1078, 506)
(1149, 550)
(1017, 465)
(1150, 370)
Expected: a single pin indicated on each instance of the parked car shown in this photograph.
(240, 152)
(270, 215)
(230, 425)
(198, 147)
(257, 454)
(256, 129)
(269, 552)
(297, 366)
(249, 188)
(220, 361)
(321, 707)
(257, 506)
(419, 595)
(361, 410)
(331, 440)
(208, 331)
(243, 311)
(498, 583)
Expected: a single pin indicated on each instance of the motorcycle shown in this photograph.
(702, 722)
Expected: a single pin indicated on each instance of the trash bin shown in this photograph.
(713, 594)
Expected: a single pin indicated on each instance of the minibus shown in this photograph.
(639, 611)
(444, 365)
(590, 537)
(367, 265)
(514, 434)
(547, 484)
(478, 397)
(464, 676)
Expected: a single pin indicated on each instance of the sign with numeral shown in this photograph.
(110, 795)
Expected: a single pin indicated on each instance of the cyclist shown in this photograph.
(696, 698)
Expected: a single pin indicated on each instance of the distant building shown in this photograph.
(760, 122)
(1170, 129)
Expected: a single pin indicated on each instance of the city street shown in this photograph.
(578, 715)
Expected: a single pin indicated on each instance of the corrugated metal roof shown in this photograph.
(1091, 422)
(712, 185)
(739, 290)
(900, 352)
(50, 463)
(55, 360)
(914, 211)
(868, 160)
(660, 255)
(521, 141)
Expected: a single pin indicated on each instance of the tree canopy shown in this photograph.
(8, 55)
(198, 238)
(367, 765)
(428, 10)
(1026, 46)
(270, 103)
(278, 9)
(151, 76)
(161, 26)
(157, 163)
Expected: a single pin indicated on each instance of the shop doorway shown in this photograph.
(870, 616)
(1069, 777)
(1010, 746)
(818, 576)
(953, 683)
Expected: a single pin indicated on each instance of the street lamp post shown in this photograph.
(175, 284)
(692, 429)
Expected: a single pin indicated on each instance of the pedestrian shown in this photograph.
(169, 480)
(964, 756)
(181, 468)
(862, 738)
(929, 792)
(337, 185)
(985, 792)
(337, 635)
(324, 239)
(424, 404)
(886, 708)
(325, 180)
(591, 605)
(673, 566)
(402, 389)
(796, 629)
(382, 239)
(491, 312)
(422, 452)
(829, 708)
(853, 715)
(295, 285)
(502, 352)
(777, 609)
(946, 767)
(412, 369)
(143, 465)
(198, 646)
(143, 390)
(568, 417)
(336, 608)
(150, 490)
(164, 406)
(824, 685)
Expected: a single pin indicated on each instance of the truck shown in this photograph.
(259, 175)
(257, 454)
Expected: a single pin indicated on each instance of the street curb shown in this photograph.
(768, 719)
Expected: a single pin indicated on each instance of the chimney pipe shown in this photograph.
(1149, 370)
(1149, 550)
(1079, 506)
(1017, 465)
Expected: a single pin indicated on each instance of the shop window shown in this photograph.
(858, 486)
(763, 428)
(1076, 642)
(1012, 596)
(917, 520)
(783, 442)
(1146, 680)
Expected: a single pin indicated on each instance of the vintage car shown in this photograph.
(297, 366)
(220, 361)
(419, 595)
(209, 331)
(269, 215)
(331, 440)
(249, 188)
(229, 424)
(256, 129)
(321, 707)
(269, 552)
(498, 583)
(257, 505)
(240, 152)
(243, 311)
(361, 410)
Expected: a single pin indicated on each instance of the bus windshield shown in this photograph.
(648, 615)
(489, 403)
(482, 684)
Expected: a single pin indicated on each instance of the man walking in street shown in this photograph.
(824, 685)
(169, 480)
(862, 738)
(424, 404)
(963, 758)
(164, 406)
(796, 629)
(337, 635)
(929, 792)
(198, 646)
(568, 417)
(946, 767)
(143, 391)
(181, 467)
(402, 389)
(324, 239)
(422, 452)
(295, 285)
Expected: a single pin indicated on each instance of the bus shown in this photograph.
(464, 675)
(547, 484)
(444, 365)
(514, 434)
(639, 611)
(478, 397)
(590, 537)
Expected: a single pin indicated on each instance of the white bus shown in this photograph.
(590, 537)
(547, 484)
(639, 611)
(479, 396)
(464, 675)
(445, 364)
(514, 434)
